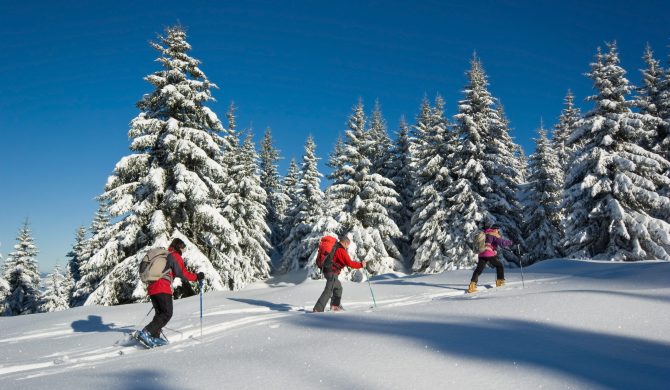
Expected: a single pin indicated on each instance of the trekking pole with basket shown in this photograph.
(200, 283)
(518, 252)
(367, 276)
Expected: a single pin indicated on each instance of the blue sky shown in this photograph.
(71, 73)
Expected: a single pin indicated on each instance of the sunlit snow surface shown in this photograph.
(575, 325)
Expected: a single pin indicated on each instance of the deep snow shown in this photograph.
(576, 324)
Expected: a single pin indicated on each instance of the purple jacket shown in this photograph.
(493, 241)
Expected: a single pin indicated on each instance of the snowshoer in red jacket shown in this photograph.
(331, 270)
(160, 293)
(490, 255)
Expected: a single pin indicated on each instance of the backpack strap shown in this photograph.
(328, 262)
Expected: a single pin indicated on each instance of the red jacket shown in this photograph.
(341, 260)
(177, 270)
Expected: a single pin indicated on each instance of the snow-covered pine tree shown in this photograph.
(300, 243)
(401, 173)
(611, 193)
(77, 255)
(91, 273)
(290, 188)
(663, 137)
(380, 153)
(277, 201)
(4, 288)
(568, 122)
(507, 174)
(170, 186)
(654, 99)
(4, 292)
(57, 294)
(432, 150)
(543, 216)
(648, 98)
(22, 275)
(244, 206)
(359, 200)
(467, 195)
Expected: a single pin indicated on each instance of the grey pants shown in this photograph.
(333, 289)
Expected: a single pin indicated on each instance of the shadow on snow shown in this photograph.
(608, 360)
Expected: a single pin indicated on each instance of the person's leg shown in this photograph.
(337, 293)
(481, 263)
(326, 294)
(500, 269)
(163, 312)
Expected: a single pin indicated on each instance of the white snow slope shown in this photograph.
(575, 325)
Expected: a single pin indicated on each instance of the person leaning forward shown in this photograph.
(160, 293)
(331, 270)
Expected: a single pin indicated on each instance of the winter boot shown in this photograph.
(500, 282)
(336, 308)
(473, 287)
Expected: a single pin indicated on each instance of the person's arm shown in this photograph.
(176, 264)
(344, 258)
(502, 242)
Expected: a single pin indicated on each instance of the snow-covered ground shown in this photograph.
(576, 324)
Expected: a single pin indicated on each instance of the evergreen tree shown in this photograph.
(467, 195)
(359, 200)
(290, 183)
(663, 136)
(277, 201)
(4, 292)
(290, 188)
(432, 150)
(649, 99)
(506, 172)
(543, 216)
(380, 153)
(568, 122)
(22, 275)
(57, 294)
(4, 289)
(77, 254)
(244, 205)
(170, 186)
(401, 173)
(654, 99)
(612, 189)
(92, 272)
(300, 244)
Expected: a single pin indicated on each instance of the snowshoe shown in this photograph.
(472, 288)
(336, 308)
(159, 341)
(144, 338)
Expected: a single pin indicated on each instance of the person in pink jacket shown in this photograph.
(490, 255)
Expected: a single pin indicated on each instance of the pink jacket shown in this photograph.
(493, 241)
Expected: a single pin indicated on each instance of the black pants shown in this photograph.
(162, 313)
(332, 292)
(500, 270)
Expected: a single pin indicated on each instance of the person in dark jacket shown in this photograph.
(333, 290)
(160, 293)
(490, 255)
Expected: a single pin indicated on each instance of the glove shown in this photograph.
(201, 275)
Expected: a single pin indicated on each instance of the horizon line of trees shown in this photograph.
(597, 186)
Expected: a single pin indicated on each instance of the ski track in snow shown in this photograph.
(190, 334)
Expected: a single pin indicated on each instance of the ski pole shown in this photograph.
(144, 318)
(518, 250)
(367, 276)
(200, 283)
